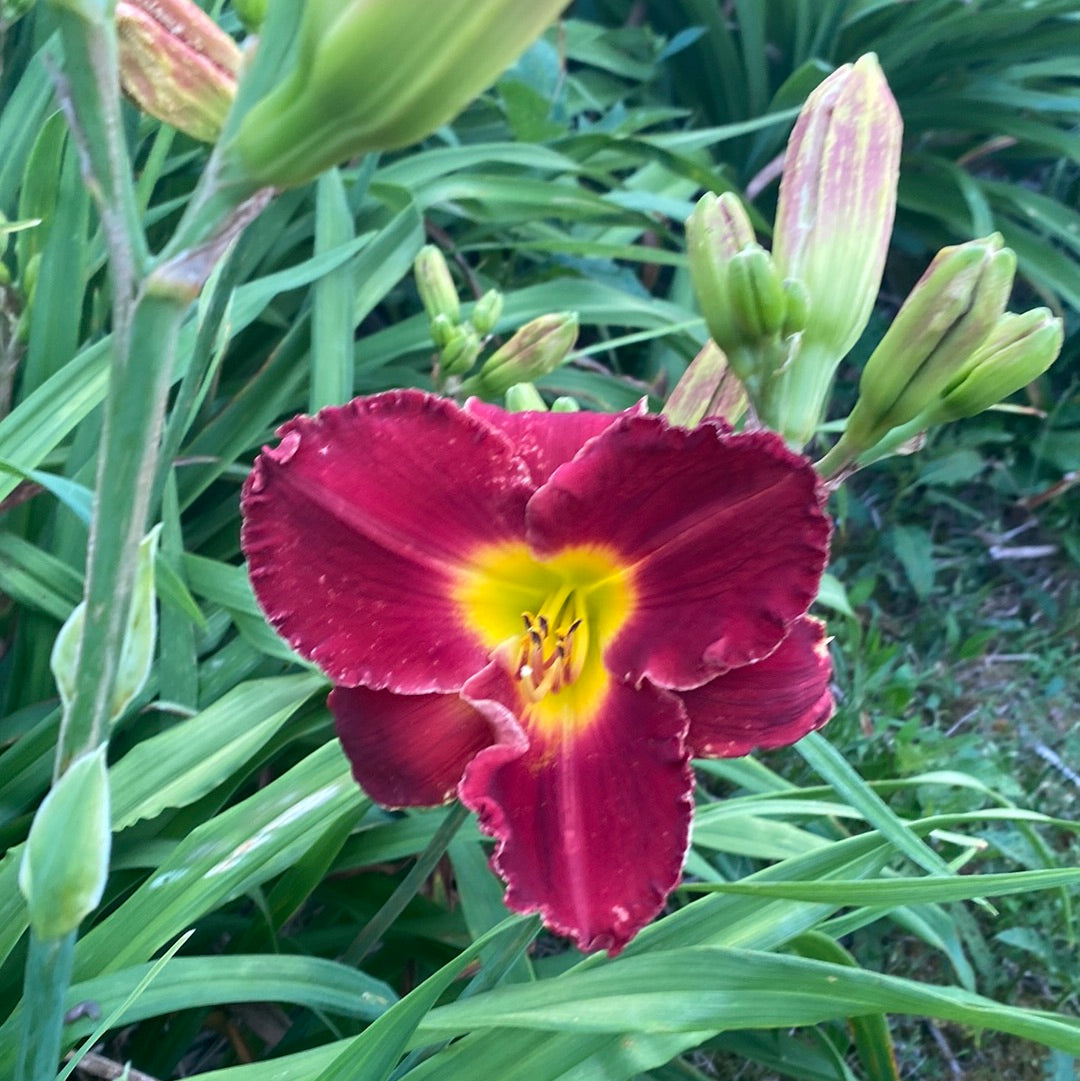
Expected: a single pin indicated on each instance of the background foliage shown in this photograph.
(816, 902)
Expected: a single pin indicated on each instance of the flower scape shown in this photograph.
(547, 615)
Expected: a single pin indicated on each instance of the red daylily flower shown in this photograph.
(548, 614)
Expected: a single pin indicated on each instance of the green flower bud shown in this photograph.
(757, 295)
(377, 75)
(252, 13)
(833, 221)
(524, 398)
(443, 331)
(949, 313)
(565, 404)
(1018, 350)
(708, 388)
(716, 232)
(177, 64)
(538, 348)
(486, 312)
(137, 652)
(435, 284)
(66, 861)
(796, 307)
(460, 352)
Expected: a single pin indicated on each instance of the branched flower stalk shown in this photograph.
(151, 297)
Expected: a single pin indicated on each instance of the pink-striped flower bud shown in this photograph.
(833, 223)
(177, 64)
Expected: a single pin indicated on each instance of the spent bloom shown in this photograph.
(547, 614)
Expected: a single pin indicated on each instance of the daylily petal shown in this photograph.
(725, 535)
(592, 822)
(358, 520)
(545, 440)
(771, 703)
(408, 750)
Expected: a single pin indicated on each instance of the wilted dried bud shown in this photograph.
(177, 64)
(833, 223)
(376, 75)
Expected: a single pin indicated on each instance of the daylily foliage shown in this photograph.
(548, 614)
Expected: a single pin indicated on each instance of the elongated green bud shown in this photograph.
(66, 861)
(565, 404)
(538, 348)
(950, 312)
(716, 232)
(486, 312)
(435, 284)
(177, 64)
(376, 75)
(137, 652)
(1019, 349)
(833, 222)
(524, 398)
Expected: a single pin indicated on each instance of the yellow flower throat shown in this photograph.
(550, 620)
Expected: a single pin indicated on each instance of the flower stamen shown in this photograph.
(547, 658)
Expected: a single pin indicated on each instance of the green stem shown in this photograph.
(378, 925)
(48, 975)
(134, 408)
(92, 71)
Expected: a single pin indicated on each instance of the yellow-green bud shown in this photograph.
(177, 64)
(538, 348)
(377, 75)
(66, 861)
(524, 398)
(565, 404)
(1019, 349)
(460, 353)
(949, 313)
(137, 652)
(435, 284)
(486, 312)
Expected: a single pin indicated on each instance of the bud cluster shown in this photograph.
(534, 350)
(781, 322)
